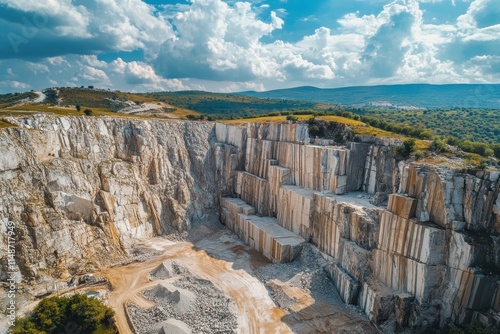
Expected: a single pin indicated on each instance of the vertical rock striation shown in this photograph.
(81, 190)
(415, 246)
(428, 253)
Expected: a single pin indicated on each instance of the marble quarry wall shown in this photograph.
(414, 246)
(81, 190)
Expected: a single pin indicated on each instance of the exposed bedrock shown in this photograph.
(415, 246)
(80, 190)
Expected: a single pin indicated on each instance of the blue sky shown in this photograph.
(228, 46)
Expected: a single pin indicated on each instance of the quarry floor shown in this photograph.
(268, 298)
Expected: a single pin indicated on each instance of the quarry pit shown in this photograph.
(254, 228)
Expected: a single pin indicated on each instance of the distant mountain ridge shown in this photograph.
(470, 96)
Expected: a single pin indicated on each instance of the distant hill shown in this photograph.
(231, 104)
(395, 96)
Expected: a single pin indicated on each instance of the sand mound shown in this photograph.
(180, 299)
(167, 269)
(174, 326)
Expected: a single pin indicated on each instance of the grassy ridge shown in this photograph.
(7, 100)
(476, 96)
(95, 98)
(228, 104)
(98, 112)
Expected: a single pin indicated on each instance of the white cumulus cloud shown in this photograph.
(231, 45)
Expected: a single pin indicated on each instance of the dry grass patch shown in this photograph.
(357, 126)
(179, 113)
(4, 125)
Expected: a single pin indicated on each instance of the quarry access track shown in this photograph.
(256, 312)
(229, 265)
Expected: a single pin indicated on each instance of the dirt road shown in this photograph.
(230, 265)
(256, 312)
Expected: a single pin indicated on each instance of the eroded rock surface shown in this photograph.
(81, 190)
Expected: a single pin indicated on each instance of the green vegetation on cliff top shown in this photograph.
(468, 129)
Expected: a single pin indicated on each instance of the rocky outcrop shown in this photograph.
(415, 246)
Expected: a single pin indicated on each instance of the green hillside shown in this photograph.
(481, 125)
(484, 96)
(229, 104)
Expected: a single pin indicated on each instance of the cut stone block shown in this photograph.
(353, 259)
(258, 153)
(402, 206)
(347, 286)
(295, 207)
(230, 208)
(339, 185)
(380, 303)
(469, 290)
(273, 241)
(411, 239)
(406, 275)
(376, 300)
(255, 191)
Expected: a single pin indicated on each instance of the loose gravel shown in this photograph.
(210, 312)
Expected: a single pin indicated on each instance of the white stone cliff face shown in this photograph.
(427, 256)
(422, 252)
(80, 190)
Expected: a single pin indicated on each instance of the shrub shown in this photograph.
(314, 131)
(419, 155)
(77, 107)
(483, 164)
(438, 145)
(51, 96)
(496, 150)
(292, 118)
(88, 112)
(407, 148)
(54, 315)
(452, 141)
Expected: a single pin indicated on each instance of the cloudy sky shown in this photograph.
(225, 46)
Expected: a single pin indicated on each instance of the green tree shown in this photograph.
(25, 326)
(88, 312)
(88, 112)
(314, 131)
(438, 145)
(53, 315)
(407, 148)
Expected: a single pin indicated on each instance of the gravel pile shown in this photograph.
(306, 272)
(167, 269)
(181, 300)
(173, 326)
(204, 308)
